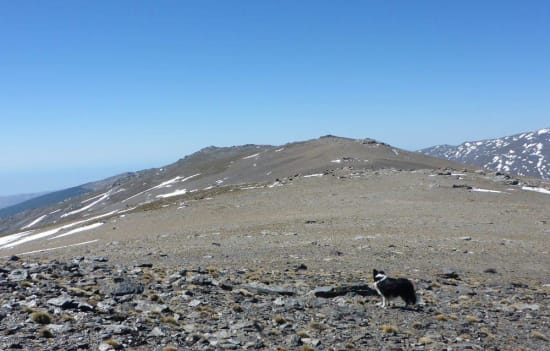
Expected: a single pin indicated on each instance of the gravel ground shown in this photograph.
(479, 261)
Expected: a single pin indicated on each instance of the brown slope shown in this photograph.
(215, 167)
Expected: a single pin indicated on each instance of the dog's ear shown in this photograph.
(374, 272)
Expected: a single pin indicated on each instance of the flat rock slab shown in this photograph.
(334, 291)
(269, 289)
(127, 288)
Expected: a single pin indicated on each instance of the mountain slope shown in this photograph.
(7, 201)
(525, 154)
(214, 168)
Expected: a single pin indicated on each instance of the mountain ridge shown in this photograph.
(523, 154)
(214, 167)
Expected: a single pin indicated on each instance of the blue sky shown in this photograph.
(89, 89)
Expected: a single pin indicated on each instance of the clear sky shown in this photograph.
(89, 89)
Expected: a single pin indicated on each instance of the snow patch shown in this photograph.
(103, 197)
(175, 193)
(78, 230)
(21, 238)
(538, 190)
(313, 175)
(251, 156)
(12, 237)
(487, 191)
(167, 183)
(35, 222)
(56, 248)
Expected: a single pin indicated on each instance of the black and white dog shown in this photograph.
(390, 288)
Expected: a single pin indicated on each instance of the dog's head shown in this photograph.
(378, 275)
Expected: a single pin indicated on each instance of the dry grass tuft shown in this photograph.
(155, 298)
(26, 284)
(425, 340)
(472, 319)
(317, 326)
(170, 320)
(485, 332)
(442, 317)
(307, 348)
(41, 317)
(279, 319)
(114, 344)
(45, 333)
(389, 329)
(169, 348)
(539, 335)
(349, 345)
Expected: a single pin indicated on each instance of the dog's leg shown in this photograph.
(383, 302)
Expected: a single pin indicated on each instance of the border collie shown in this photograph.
(390, 288)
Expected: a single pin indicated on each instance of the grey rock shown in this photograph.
(156, 332)
(449, 273)
(270, 289)
(64, 302)
(127, 287)
(118, 329)
(148, 307)
(18, 275)
(334, 291)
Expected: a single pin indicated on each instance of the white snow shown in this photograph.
(31, 238)
(57, 248)
(92, 198)
(487, 191)
(12, 237)
(313, 175)
(175, 193)
(336, 161)
(538, 190)
(21, 238)
(279, 150)
(78, 230)
(252, 187)
(251, 156)
(167, 183)
(190, 177)
(35, 222)
(103, 197)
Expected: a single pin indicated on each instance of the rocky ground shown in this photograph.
(289, 268)
(87, 303)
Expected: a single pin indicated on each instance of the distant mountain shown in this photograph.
(55, 197)
(209, 170)
(526, 154)
(6, 201)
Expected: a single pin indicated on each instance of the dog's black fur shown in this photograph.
(390, 288)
